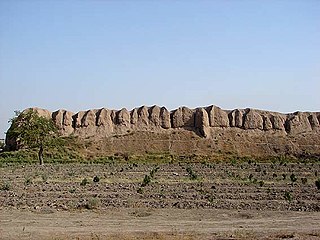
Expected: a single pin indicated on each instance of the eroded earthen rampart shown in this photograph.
(206, 129)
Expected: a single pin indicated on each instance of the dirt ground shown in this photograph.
(207, 200)
(126, 223)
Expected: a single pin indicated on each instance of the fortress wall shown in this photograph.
(105, 122)
(212, 129)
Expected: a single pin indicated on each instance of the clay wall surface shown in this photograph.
(244, 131)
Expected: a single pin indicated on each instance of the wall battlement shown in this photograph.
(106, 122)
(205, 129)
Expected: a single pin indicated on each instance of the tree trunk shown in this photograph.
(40, 155)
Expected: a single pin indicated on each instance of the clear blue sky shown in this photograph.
(91, 54)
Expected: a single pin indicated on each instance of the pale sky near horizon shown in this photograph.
(79, 55)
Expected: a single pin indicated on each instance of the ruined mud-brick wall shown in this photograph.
(205, 130)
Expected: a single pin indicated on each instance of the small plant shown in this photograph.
(96, 179)
(153, 171)
(6, 186)
(192, 174)
(71, 173)
(293, 178)
(288, 196)
(146, 181)
(126, 156)
(210, 199)
(304, 180)
(28, 181)
(250, 177)
(318, 184)
(92, 203)
(233, 161)
(258, 169)
(84, 182)
(72, 190)
(140, 190)
(261, 183)
(44, 177)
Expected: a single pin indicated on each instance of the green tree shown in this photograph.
(30, 130)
